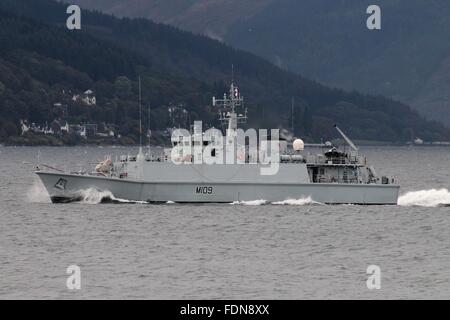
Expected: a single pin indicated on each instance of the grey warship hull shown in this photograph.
(68, 187)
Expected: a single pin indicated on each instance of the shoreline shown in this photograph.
(118, 145)
(163, 141)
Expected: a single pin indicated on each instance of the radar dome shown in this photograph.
(298, 145)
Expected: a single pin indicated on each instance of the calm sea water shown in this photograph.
(297, 251)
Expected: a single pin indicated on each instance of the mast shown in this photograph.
(232, 73)
(229, 108)
(140, 113)
(140, 119)
(148, 128)
(292, 116)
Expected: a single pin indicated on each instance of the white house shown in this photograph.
(88, 98)
(25, 128)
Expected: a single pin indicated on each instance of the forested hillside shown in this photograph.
(327, 40)
(42, 63)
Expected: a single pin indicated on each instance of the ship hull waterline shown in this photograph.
(67, 187)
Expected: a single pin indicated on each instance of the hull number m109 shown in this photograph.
(204, 190)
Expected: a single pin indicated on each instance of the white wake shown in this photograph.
(425, 198)
(94, 196)
(289, 202)
(37, 193)
(296, 202)
(250, 203)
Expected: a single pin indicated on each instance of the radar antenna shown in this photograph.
(231, 108)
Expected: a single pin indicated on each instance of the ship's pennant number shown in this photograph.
(204, 190)
(61, 184)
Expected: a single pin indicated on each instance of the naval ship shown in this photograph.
(329, 177)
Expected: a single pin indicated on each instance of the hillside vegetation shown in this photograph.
(42, 62)
(327, 40)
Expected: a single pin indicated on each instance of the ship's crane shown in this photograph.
(347, 139)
